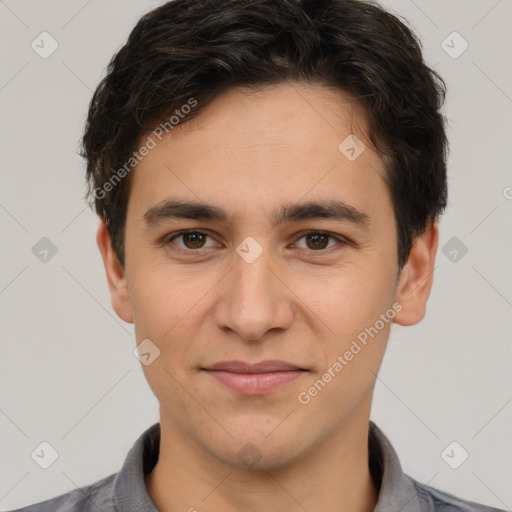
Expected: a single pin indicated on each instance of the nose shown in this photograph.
(254, 299)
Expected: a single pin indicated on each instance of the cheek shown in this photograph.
(169, 308)
(157, 291)
(359, 309)
(351, 357)
(347, 301)
(166, 311)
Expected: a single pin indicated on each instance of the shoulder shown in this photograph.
(433, 499)
(91, 498)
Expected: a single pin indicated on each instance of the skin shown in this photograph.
(300, 301)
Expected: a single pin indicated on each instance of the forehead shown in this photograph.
(280, 113)
(273, 145)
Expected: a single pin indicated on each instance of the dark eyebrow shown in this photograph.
(179, 209)
(323, 209)
(293, 212)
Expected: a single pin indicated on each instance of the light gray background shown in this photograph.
(67, 372)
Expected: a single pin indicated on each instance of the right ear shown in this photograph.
(115, 275)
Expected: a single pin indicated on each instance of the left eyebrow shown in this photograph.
(325, 209)
(291, 212)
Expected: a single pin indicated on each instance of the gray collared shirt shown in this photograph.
(126, 491)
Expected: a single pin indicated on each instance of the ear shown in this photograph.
(417, 276)
(115, 275)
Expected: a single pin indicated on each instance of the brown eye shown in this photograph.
(191, 240)
(317, 241)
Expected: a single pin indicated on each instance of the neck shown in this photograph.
(334, 476)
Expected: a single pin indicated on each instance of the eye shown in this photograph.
(318, 241)
(192, 240)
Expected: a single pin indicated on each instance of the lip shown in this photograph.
(266, 366)
(254, 378)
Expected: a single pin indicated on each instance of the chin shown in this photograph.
(258, 445)
(258, 456)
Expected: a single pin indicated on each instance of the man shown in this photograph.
(268, 176)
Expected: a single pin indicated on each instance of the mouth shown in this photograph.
(254, 378)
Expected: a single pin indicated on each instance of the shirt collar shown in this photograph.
(396, 490)
(129, 488)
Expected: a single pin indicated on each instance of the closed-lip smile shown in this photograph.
(254, 378)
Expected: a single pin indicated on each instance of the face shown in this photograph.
(262, 275)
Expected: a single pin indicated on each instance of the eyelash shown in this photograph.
(169, 239)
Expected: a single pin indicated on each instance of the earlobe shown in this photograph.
(115, 273)
(417, 276)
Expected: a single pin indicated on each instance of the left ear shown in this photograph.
(417, 276)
